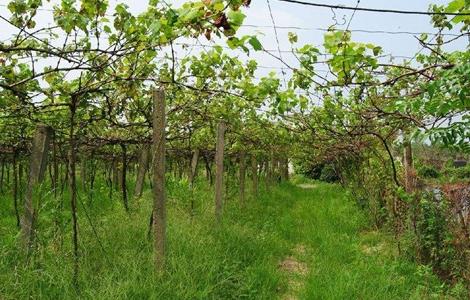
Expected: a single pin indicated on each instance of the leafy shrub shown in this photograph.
(458, 173)
(312, 171)
(427, 171)
(462, 173)
(328, 174)
(315, 171)
(434, 236)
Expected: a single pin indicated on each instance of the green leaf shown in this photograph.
(455, 5)
(292, 37)
(155, 26)
(219, 6)
(233, 42)
(236, 17)
(107, 29)
(377, 50)
(255, 43)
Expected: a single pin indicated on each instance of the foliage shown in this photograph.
(457, 173)
(238, 260)
(91, 74)
(312, 171)
(434, 238)
(329, 174)
(428, 171)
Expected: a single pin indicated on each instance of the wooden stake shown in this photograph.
(37, 169)
(159, 209)
(219, 170)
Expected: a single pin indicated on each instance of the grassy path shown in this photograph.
(307, 242)
(338, 258)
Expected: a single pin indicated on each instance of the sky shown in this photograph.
(314, 18)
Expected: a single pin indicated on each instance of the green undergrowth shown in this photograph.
(237, 259)
(347, 260)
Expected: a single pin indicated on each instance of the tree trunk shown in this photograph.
(83, 172)
(92, 177)
(123, 177)
(268, 172)
(2, 174)
(142, 169)
(55, 177)
(194, 162)
(208, 170)
(8, 175)
(273, 164)
(219, 170)
(109, 179)
(180, 169)
(242, 177)
(20, 178)
(15, 187)
(228, 171)
(254, 174)
(159, 209)
(192, 176)
(37, 169)
(285, 169)
(115, 174)
(65, 176)
(408, 163)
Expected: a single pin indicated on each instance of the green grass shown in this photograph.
(236, 260)
(346, 260)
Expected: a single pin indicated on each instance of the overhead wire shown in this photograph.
(376, 10)
(275, 27)
(280, 27)
(388, 32)
(343, 7)
(277, 39)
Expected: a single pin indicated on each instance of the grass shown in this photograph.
(346, 260)
(237, 260)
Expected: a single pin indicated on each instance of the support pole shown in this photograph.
(159, 209)
(37, 169)
(219, 170)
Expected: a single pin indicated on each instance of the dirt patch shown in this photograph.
(373, 250)
(291, 265)
(295, 270)
(307, 186)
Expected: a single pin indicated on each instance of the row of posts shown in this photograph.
(39, 157)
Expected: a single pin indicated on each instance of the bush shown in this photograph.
(433, 235)
(322, 171)
(462, 173)
(315, 171)
(458, 173)
(328, 174)
(427, 171)
(309, 170)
